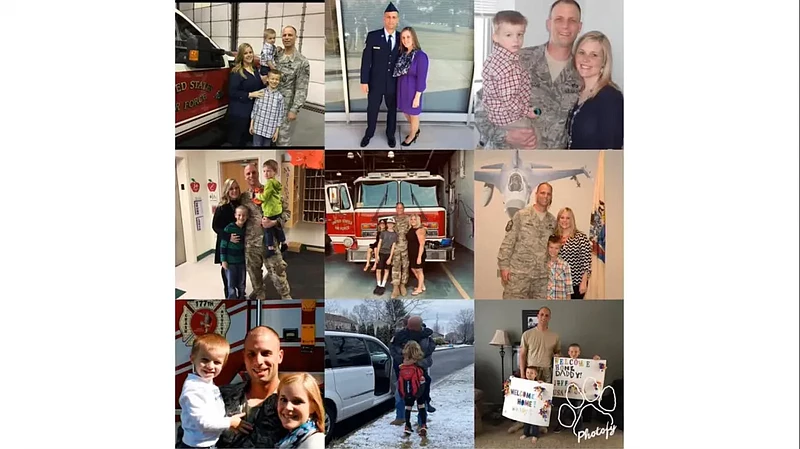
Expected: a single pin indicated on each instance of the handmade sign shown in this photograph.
(528, 401)
(578, 378)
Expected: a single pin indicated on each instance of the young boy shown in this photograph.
(267, 58)
(385, 254)
(559, 284)
(232, 255)
(202, 410)
(268, 112)
(574, 352)
(411, 385)
(272, 207)
(506, 84)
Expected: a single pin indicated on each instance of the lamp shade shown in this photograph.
(500, 339)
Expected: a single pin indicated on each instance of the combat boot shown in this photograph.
(395, 292)
(403, 290)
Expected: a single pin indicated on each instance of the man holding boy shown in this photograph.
(255, 250)
(522, 258)
(293, 85)
(555, 85)
(256, 396)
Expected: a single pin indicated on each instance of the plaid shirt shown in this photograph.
(559, 284)
(506, 87)
(268, 112)
(267, 54)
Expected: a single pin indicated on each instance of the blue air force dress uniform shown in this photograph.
(377, 66)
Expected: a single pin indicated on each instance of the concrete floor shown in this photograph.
(309, 131)
(449, 280)
(442, 136)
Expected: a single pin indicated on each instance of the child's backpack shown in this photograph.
(409, 381)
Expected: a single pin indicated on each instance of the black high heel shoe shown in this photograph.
(403, 143)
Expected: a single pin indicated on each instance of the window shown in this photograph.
(376, 352)
(345, 198)
(379, 195)
(445, 32)
(333, 198)
(418, 194)
(348, 351)
(183, 30)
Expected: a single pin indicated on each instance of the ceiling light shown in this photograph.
(350, 155)
(391, 154)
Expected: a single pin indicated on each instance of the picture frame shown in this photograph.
(530, 319)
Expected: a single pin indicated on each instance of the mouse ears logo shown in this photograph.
(203, 317)
(589, 398)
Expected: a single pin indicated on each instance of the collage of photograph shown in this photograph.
(370, 195)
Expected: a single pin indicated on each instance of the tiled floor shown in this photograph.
(441, 136)
(202, 280)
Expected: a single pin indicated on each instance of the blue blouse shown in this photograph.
(597, 123)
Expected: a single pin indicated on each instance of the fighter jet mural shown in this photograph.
(517, 181)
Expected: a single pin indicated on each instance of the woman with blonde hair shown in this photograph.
(223, 216)
(416, 251)
(576, 250)
(411, 71)
(301, 411)
(596, 120)
(244, 86)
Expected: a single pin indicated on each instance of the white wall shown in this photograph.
(464, 191)
(599, 15)
(204, 165)
(213, 18)
(255, 17)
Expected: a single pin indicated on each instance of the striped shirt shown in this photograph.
(577, 252)
(230, 252)
(268, 112)
(506, 87)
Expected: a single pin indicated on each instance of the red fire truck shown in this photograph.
(201, 78)
(302, 340)
(352, 226)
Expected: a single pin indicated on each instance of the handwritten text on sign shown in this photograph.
(586, 375)
(529, 402)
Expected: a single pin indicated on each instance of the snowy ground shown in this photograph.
(443, 347)
(451, 426)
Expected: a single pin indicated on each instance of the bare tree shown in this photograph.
(364, 314)
(464, 325)
(333, 307)
(389, 312)
(436, 327)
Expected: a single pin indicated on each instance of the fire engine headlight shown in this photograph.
(348, 242)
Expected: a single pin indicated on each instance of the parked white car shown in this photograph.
(358, 376)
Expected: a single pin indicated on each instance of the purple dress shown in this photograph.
(412, 82)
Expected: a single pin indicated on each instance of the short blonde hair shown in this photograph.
(269, 32)
(413, 351)
(209, 342)
(316, 406)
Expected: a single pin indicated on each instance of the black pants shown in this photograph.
(529, 430)
(576, 292)
(373, 107)
(224, 281)
(239, 131)
(423, 412)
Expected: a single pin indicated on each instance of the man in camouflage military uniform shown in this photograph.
(294, 70)
(555, 86)
(400, 260)
(255, 253)
(522, 258)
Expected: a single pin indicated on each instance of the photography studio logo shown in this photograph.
(577, 410)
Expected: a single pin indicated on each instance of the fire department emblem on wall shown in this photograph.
(203, 317)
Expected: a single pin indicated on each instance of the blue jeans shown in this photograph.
(261, 141)
(399, 403)
(274, 236)
(236, 274)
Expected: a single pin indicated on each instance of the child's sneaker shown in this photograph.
(408, 430)
(423, 431)
(284, 247)
(377, 290)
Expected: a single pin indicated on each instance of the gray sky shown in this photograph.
(447, 308)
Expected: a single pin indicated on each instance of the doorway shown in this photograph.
(180, 245)
(235, 170)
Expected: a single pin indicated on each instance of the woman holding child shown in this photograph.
(576, 250)
(411, 71)
(595, 122)
(244, 86)
(223, 216)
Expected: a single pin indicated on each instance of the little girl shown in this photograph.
(411, 384)
(301, 412)
(372, 246)
(528, 430)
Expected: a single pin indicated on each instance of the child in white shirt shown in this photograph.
(202, 409)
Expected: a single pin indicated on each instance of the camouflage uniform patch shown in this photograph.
(295, 76)
(553, 98)
(255, 252)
